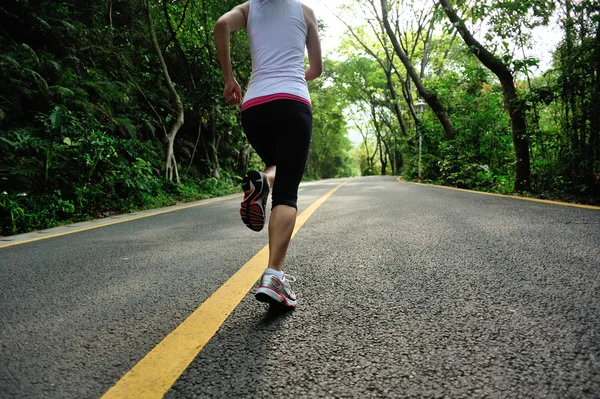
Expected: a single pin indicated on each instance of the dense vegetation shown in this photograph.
(86, 110)
(493, 121)
(116, 105)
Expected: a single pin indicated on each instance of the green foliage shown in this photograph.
(330, 153)
(504, 16)
(82, 110)
(208, 188)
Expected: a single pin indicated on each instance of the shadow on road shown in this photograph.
(274, 314)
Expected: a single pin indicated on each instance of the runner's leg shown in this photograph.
(291, 142)
(281, 226)
(270, 172)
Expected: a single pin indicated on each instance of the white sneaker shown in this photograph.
(275, 290)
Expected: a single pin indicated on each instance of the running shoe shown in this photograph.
(276, 291)
(253, 206)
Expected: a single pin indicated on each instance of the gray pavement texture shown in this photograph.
(404, 291)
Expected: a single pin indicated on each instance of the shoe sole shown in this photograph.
(252, 206)
(267, 295)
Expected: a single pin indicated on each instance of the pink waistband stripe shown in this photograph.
(281, 96)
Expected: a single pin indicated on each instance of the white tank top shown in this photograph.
(277, 34)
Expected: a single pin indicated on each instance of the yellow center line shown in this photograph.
(126, 219)
(597, 208)
(152, 376)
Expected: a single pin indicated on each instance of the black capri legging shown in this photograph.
(280, 132)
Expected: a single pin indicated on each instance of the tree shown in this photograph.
(171, 163)
(329, 155)
(388, 68)
(577, 91)
(430, 97)
(364, 86)
(514, 106)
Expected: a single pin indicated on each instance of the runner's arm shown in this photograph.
(313, 45)
(229, 22)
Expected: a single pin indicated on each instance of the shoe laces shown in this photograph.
(289, 278)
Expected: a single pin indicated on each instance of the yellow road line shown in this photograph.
(597, 208)
(204, 202)
(152, 376)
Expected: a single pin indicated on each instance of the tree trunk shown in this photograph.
(245, 153)
(171, 164)
(177, 44)
(196, 144)
(396, 106)
(110, 22)
(515, 109)
(427, 45)
(536, 113)
(431, 98)
(404, 82)
(383, 156)
(214, 145)
(365, 137)
(382, 159)
(394, 154)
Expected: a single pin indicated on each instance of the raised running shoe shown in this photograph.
(276, 291)
(253, 206)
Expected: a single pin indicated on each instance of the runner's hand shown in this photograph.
(233, 93)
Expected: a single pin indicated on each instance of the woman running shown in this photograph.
(276, 117)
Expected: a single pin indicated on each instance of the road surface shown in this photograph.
(404, 291)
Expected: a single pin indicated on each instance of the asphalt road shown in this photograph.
(404, 291)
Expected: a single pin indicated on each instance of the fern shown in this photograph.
(67, 25)
(31, 52)
(28, 93)
(56, 118)
(92, 86)
(17, 82)
(108, 85)
(62, 92)
(43, 22)
(80, 93)
(29, 171)
(76, 62)
(6, 59)
(4, 100)
(83, 105)
(26, 168)
(151, 128)
(41, 82)
(125, 124)
(4, 142)
(55, 66)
